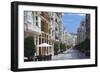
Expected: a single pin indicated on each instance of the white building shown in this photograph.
(45, 27)
(33, 26)
(70, 39)
(58, 27)
(31, 21)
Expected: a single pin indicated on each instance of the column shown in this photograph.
(41, 43)
(37, 47)
(35, 42)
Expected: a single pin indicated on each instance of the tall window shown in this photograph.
(36, 20)
(42, 26)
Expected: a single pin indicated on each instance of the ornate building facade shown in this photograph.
(45, 27)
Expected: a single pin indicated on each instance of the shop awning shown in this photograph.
(44, 45)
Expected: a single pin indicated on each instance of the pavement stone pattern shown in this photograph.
(70, 54)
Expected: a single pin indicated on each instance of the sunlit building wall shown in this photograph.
(45, 27)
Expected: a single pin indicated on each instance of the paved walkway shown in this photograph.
(70, 54)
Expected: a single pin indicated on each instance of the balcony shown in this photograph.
(45, 15)
(31, 29)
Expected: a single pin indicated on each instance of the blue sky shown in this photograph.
(72, 21)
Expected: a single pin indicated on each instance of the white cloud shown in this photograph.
(79, 14)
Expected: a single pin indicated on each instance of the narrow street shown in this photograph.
(70, 54)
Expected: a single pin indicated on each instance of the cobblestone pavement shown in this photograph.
(70, 54)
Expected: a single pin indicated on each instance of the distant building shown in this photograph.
(87, 25)
(74, 38)
(70, 39)
(83, 30)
